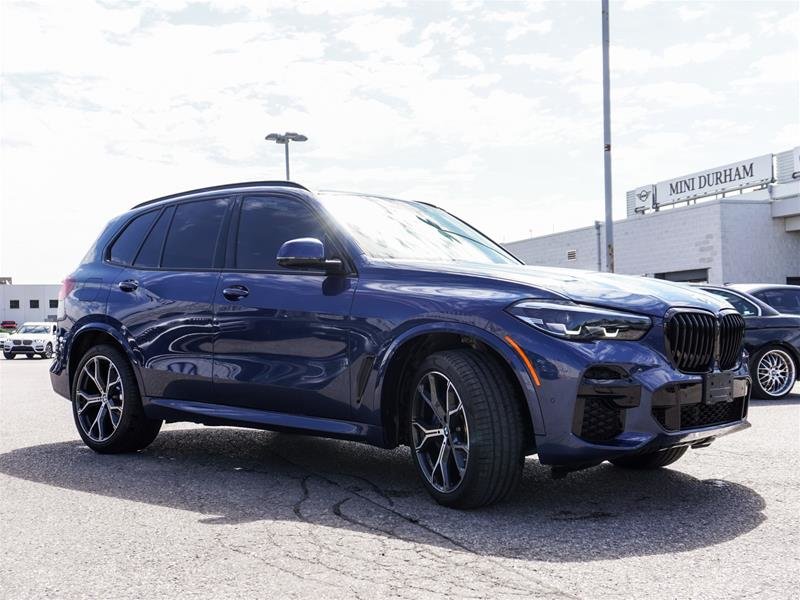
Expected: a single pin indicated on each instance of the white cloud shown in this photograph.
(486, 110)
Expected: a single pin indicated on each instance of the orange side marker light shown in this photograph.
(525, 359)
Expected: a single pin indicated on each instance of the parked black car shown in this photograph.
(771, 338)
(783, 298)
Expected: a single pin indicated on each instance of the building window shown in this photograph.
(13, 304)
(34, 304)
(53, 303)
(688, 276)
(572, 255)
(793, 281)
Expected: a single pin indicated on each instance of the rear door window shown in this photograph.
(127, 244)
(194, 234)
(150, 253)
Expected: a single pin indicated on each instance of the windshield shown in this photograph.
(396, 229)
(33, 329)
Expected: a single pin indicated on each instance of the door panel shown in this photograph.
(168, 318)
(284, 346)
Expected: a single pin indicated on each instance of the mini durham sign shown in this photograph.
(735, 176)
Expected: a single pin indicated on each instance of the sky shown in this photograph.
(491, 110)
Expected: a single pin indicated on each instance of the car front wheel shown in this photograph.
(465, 429)
(8, 355)
(774, 373)
(48, 351)
(107, 406)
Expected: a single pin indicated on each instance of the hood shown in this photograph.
(644, 295)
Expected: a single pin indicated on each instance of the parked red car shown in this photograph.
(8, 325)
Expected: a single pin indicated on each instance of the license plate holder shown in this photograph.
(717, 387)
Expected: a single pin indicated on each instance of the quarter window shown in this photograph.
(124, 248)
(194, 234)
(265, 223)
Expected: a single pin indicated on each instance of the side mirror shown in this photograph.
(306, 253)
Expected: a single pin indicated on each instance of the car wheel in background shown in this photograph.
(30, 355)
(8, 355)
(465, 429)
(774, 372)
(48, 351)
(107, 406)
(650, 460)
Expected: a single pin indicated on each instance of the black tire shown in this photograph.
(791, 366)
(29, 355)
(9, 355)
(134, 430)
(495, 430)
(650, 460)
(48, 351)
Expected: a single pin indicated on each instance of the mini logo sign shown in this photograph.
(643, 198)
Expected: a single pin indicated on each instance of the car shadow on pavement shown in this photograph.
(231, 476)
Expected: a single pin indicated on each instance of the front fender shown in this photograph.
(384, 359)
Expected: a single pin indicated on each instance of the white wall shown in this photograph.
(25, 293)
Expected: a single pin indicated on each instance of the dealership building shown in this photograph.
(739, 223)
(23, 303)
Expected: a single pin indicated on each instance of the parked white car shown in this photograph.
(30, 339)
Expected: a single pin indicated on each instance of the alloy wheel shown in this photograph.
(99, 398)
(776, 372)
(439, 431)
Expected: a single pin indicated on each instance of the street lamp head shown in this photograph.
(285, 138)
(277, 138)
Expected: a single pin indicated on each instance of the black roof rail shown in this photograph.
(225, 186)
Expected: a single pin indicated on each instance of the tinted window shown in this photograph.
(124, 248)
(266, 223)
(745, 308)
(150, 254)
(192, 237)
(785, 301)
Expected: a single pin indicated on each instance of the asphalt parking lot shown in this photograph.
(222, 513)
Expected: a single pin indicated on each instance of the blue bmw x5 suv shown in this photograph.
(387, 322)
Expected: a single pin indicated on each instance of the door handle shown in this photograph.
(235, 292)
(129, 285)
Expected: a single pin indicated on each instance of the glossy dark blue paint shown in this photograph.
(310, 350)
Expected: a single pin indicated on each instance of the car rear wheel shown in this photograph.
(8, 355)
(465, 429)
(107, 406)
(650, 460)
(774, 373)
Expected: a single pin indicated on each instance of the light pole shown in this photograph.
(285, 138)
(607, 143)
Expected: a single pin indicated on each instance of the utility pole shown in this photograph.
(607, 144)
(285, 138)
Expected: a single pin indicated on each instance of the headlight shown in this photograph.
(568, 320)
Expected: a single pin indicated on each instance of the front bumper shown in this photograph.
(32, 348)
(640, 403)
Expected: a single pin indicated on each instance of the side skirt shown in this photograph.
(234, 416)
